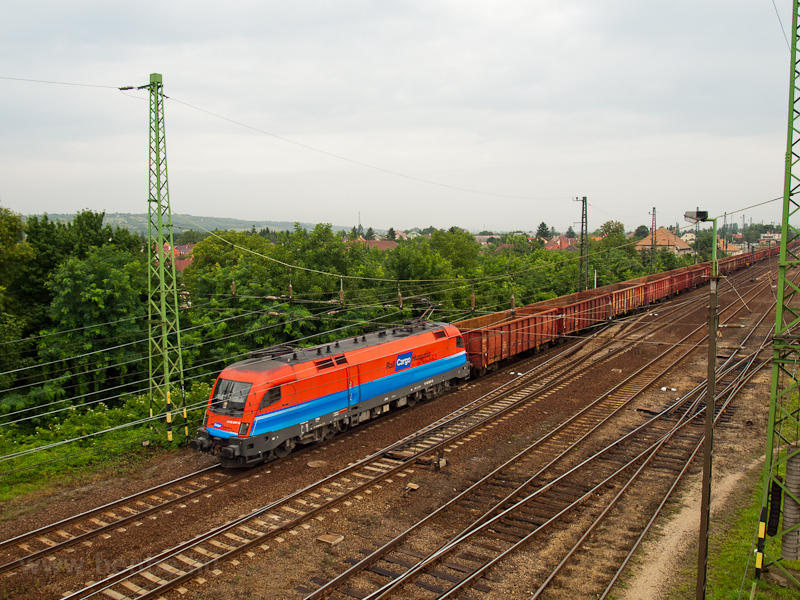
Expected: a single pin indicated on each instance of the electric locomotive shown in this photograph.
(263, 407)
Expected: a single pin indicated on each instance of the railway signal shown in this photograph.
(708, 445)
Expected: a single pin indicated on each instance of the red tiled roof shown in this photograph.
(664, 239)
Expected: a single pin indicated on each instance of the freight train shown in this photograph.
(263, 407)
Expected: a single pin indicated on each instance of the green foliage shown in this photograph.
(20, 474)
(458, 247)
(53, 242)
(14, 250)
(543, 231)
(642, 231)
(98, 306)
(190, 236)
(83, 291)
(612, 228)
(704, 245)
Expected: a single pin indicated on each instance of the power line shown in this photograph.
(359, 163)
(783, 31)
(113, 87)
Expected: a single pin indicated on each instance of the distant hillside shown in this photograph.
(137, 223)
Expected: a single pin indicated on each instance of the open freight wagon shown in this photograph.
(491, 338)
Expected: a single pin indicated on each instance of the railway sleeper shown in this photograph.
(499, 535)
(450, 565)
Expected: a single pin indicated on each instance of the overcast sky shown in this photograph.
(633, 104)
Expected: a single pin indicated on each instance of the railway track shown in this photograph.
(521, 500)
(252, 533)
(115, 517)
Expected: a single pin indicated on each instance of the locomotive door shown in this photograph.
(353, 386)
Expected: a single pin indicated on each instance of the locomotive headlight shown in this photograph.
(243, 429)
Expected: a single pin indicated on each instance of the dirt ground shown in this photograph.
(738, 458)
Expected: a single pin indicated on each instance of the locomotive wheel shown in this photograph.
(412, 400)
(284, 449)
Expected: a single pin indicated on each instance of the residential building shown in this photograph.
(665, 239)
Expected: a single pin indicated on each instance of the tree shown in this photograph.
(370, 235)
(642, 231)
(54, 242)
(14, 250)
(553, 232)
(99, 304)
(612, 227)
(190, 236)
(354, 233)
(390, 235)
(543, 231)
(457, 246)
(570, 233)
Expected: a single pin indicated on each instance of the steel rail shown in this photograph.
(380, 455)
(365, 563)
(405, 464)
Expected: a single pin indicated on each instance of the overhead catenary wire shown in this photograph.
(195, 367)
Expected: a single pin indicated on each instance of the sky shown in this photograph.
(506, 110)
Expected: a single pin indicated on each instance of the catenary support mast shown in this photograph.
(583, 262)
(783, 429)
(166, 364)
(653, 244)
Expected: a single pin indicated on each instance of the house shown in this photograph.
(381, 244)
(689, 237)
(562, 242)
(185, 249)
(183, 256)
(665, 239)
(724, 245)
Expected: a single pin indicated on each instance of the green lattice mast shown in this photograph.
(783, 430)
(166, 364)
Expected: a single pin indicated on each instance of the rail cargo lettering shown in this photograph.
(263, 407)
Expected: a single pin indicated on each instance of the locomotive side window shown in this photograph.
(271, 397)
(230, 397)
(459, 342)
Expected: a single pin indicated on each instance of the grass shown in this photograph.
(32, 462)
(21, 497)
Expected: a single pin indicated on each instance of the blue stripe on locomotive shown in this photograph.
(324, 405)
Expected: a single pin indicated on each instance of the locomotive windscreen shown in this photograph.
(230, 397)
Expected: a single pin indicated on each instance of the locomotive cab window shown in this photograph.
(271, 397)
(459, 342)
(230, 397)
